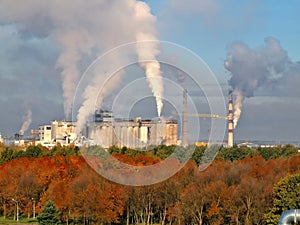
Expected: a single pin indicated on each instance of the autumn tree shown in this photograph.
(167, 194)
(193, 205)
(236, 189)
(94, 199)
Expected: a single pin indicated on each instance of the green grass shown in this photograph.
(9, 221)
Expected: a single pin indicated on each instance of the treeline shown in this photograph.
(8, 153)
(242, 186)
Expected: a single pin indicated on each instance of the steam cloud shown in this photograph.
(84, 30)
(26, 122)
(253, 68)
(147, 53)
(152, 67)
(145, 24)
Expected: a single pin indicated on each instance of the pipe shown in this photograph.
(289, 217)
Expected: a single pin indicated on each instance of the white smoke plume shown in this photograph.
(84, 30)
(144, 30)
(27, 120)
(93, 97)
(253, 68)
(147, 53)
(81, 29)
(152, 69)
(239, 98)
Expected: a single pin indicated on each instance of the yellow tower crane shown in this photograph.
(205, 116)
(214, 116)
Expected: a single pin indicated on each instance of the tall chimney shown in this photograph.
(230, 121)
(184, 119)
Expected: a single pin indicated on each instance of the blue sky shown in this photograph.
(250, 22)
(31, 46)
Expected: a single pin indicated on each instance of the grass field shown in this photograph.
(9, 221)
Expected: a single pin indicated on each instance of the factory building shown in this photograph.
(108, 131)
(63, 131)
(58, 132)
(45, 134)
(163, 132)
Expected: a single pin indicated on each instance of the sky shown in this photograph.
(251, 46)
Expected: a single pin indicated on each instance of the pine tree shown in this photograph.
(49, 216)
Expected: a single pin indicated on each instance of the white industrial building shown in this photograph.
(45, 134)
(58, 132)
(108, 131)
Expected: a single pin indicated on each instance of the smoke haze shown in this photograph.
(27, 119)
(147, 53)
(254, 68)
(84, 30)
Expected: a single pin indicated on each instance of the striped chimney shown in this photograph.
(230, 121)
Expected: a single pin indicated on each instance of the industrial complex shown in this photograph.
(106, 130)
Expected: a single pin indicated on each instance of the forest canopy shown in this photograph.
(239, 187)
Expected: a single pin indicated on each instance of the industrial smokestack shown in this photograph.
(230, 121)
(184, 119)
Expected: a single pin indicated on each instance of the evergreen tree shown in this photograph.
(33, 152)
(49, 216)
(286, 195)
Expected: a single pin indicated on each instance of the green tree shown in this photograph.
(33, 152)
(286, 195)
(130, 151)
(58, 149)
(7, 154)
(198, 153)
(288, 151)
(2, 147)
(115, 150)
(49, 216)
(236, 153)
(285, 151)
(269, 152)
